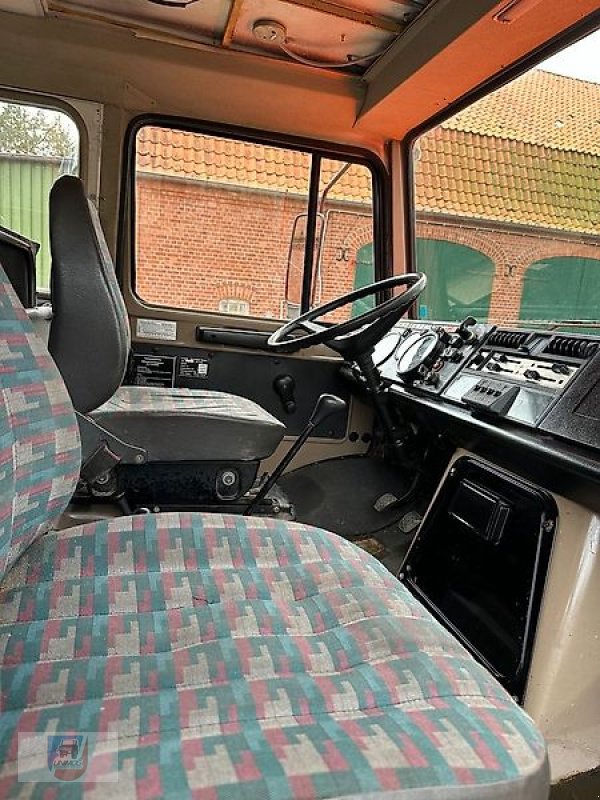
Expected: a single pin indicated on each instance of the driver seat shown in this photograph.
(90, 340)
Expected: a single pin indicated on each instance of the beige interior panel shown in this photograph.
(563, 692)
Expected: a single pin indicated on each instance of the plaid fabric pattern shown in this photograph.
(244, 658)
(39, 441)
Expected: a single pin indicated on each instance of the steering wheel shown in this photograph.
(357, 335)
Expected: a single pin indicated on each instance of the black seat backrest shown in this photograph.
(89, 336)
(17, 256)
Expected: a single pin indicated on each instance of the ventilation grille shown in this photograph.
(512, 340)
(570, 346)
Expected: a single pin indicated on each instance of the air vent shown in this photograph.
(571, 346)
(511, 340)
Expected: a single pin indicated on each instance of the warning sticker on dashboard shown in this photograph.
(165, 330)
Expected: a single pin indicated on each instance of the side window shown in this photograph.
(37, 145)
(507, 200)
(223, 225)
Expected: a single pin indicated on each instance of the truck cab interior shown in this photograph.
(300, 399)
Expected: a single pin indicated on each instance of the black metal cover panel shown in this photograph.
(479, 564)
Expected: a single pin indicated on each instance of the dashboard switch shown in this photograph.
(491, 396)
(532, 374)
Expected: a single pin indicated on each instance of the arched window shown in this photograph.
(460, 281)
(561, 288)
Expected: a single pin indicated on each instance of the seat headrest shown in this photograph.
(89, 336)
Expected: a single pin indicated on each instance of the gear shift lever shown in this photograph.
(326, 405)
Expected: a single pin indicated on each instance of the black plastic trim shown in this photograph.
(311, 231)
(253, 340)
(561, 467)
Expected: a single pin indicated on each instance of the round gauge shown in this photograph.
(414, 351)
(386, 348)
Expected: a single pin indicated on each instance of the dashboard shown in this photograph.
(545, 381)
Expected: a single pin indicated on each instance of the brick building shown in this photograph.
(508, 213)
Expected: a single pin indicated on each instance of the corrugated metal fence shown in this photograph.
(25, 184)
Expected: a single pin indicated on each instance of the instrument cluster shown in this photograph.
(426, 356)
(522, 375)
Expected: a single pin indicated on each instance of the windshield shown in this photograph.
(507, 200)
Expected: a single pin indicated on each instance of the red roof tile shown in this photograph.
(538, 108)
(162, 151)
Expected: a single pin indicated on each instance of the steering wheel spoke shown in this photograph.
(311, 327)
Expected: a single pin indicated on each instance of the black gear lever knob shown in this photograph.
(327, 404)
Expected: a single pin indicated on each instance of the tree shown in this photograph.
(26, 131)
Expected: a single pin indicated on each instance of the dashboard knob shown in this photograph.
(444, 336)
(464, 329)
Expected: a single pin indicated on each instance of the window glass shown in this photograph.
(507, 197)
(222, 225)
(37, 145)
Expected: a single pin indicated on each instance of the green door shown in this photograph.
(561, 288)
(364, 275)
(459, 283)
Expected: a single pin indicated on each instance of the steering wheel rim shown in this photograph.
(358, 333)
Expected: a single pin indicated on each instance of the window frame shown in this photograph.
(53, 103)
(568, 37)
(318, 149)
(58, 104)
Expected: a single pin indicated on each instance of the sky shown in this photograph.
(580, 60)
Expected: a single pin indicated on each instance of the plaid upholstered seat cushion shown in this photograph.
(248, 658)
(190, 424)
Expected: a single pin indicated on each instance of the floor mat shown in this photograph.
(341, 495)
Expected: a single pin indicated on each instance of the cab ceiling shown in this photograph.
(350, 35)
